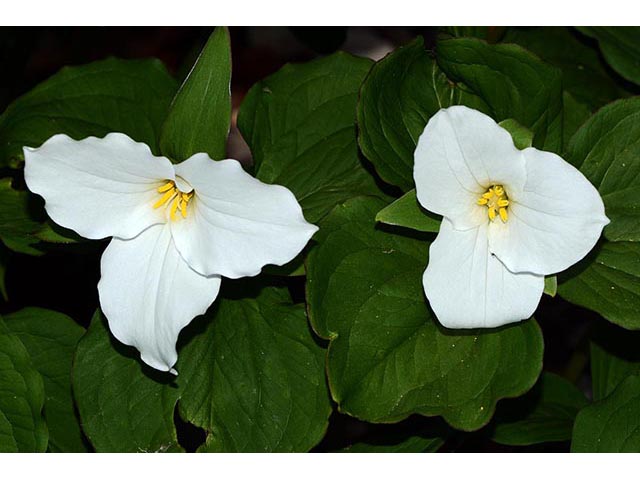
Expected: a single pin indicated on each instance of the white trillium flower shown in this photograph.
(177, 229)
(510, 217)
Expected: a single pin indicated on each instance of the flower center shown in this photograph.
(495, 198)
(171, 194)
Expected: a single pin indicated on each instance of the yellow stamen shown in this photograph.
(177, 199)
(183, 207)
(167, 186)
(174, 207)
(496, 201)
(165, 198)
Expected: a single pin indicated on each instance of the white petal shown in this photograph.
(236, 224)
(460, 154)
(148, 294)
(99, 187)
(554, 221)
(468, 287)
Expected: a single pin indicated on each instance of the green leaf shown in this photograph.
(545, 414)
(397, 98)
(614, 356)
(124, 405)
(200, 114)
(607, 151)
(7, 441)
(575, 114)
(608, 282)
(129, 96)
(407, 87)
(300, 125)
(407, 212)
(51, 339)
(388, 357)
(611, 424)
(551, 285)
(522, 136)
(410, 445)
(22, 428)
(18, 227)
(490, 34)
(513, 82)
(253, 376)
(620, 47)
(4, 259)
(584, 74)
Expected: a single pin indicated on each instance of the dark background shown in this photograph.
(66, 281)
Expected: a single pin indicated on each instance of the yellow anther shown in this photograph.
(165, 198)
(172, 195)
(183, 206)
(495, 199)
(167, 186)
(174, 207)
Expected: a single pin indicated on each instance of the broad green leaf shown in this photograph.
(513, 82)
(584, 74)
(18, 224)
(22, 428)
(128, 96)
(253, 376)
(407, 212)
(388, 357)
(396, 100)
(51, 339)
(574, 115)
(410, 445)
(608, 282)
(522, 136)
(7, 441)
(200, 114)
(407, 87)
(606, 149)
(611, 424)
(545, 414)
(124, 405)
(614, 356)
(620, 47)
(300, 125)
